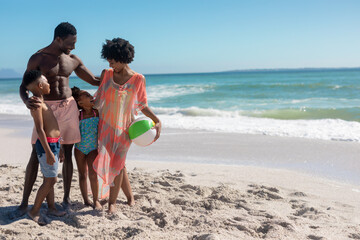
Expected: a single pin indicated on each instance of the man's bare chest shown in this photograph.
(61, 66)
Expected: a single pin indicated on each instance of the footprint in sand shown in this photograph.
(118, 216)
(243, 206)
(313, 237)
(283, 224)
(235, 223)
(131, 232)
(297, 204)
(268, 193)
(309, 212)
(163, 183)
(303, 210)
(208, 236)
(225, 194)
(261, 213)
(159, 219)
(7, 188)
(354, 235)
(179, 201)
(264, 229)
(211, 204)
(298, 194)
(178, 177)
(271, 189)
(7, 167)
(9, 232)
(189, 187)
(201, 220)
(238, 219)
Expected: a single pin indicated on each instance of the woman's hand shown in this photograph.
(158, 130)
(147, 112)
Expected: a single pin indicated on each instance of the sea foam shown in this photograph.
(195, 118)
(234, 122)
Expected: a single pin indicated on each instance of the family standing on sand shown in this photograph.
(65, 116)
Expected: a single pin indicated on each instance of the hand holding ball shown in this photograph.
(141, 131)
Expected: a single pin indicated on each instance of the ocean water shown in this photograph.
(320, 104)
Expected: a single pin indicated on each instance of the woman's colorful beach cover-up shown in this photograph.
(117, 105)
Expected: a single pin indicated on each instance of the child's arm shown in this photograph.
(38, 120)
(149, 113)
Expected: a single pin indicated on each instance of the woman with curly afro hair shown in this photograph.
(121, 94)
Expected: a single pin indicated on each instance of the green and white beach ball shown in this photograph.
(141, 132)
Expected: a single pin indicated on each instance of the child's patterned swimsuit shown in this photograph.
(89, 134)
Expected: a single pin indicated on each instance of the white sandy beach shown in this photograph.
(203, 185)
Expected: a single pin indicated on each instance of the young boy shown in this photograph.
(47, 145)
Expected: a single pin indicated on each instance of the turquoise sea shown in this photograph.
(313, 103)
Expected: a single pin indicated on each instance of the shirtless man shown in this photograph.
(56, 64)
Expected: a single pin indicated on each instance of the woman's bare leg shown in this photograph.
(127, 189)
(114, 192)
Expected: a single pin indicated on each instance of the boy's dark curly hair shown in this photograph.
(64, 29)
(30, 77)
(119, 50)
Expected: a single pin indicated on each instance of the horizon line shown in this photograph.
(263, 70)
(241, 70)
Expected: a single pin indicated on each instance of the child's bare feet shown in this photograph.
(37, 218)
(131, 201)
(56, 213)
(97, 205)
(112, 209)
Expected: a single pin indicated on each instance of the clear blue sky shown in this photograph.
(190, 35)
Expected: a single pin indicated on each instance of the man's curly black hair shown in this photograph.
(119, 50)
(64, 29)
